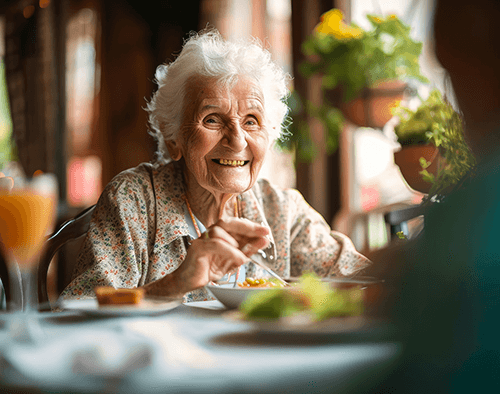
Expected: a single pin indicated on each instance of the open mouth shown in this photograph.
(231, 163)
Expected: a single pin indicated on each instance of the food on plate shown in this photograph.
(107, 295)
(260, 282)
(309, 296)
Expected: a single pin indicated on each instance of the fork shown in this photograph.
(269, 271)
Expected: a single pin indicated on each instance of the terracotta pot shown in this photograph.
(373, 107)
(408, 161)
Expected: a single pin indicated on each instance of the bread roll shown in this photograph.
(107, 295)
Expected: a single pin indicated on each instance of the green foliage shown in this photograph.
(7, 146)
(436, 121)
(362, 59)
(460, 162)
(298, 139)
(401, 236)
(349, 59)
(414, 126)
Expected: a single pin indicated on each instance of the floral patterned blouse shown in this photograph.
(140, 232)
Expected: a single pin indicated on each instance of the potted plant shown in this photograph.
(434, 156)
(366, 69)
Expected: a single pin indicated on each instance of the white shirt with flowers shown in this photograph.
(140, 232)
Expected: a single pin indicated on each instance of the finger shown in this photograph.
(241, 231)
(243, 227)
(251, 248)
(216, 232)
(227, 261)
(209, 260)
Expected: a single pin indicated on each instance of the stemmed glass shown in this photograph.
(27, 215)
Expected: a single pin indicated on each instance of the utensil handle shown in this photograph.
(270, 271)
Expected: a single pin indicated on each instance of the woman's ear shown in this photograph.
(174, 149)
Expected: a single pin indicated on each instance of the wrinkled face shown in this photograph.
(223, 139)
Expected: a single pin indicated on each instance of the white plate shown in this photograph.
(301, 325)
(232, 297)
(357, 280)
(146, 307)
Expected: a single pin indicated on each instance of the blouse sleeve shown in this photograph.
(315, 247)
(116, 249)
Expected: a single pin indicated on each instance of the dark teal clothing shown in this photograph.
(448, 308)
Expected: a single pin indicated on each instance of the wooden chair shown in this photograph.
(70, 230)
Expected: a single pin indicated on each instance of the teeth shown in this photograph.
(233, 163)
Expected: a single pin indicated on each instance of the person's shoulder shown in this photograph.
(142, 170)
(268, 191)
(135, 178)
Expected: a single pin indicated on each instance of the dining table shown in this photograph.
(196, 347)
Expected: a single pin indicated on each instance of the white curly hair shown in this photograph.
(208, 54)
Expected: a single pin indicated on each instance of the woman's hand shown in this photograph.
(223, 248)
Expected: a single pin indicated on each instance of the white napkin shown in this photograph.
(95, 352)
(172, 349)
(112, 355)
(112, 351)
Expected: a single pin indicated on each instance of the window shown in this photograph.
(375, 181)
(83, 169)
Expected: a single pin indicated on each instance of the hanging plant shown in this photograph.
(357, 64)
(435, 123)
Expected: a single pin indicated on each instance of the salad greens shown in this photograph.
(310, 295)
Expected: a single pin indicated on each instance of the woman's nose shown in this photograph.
(234, 138)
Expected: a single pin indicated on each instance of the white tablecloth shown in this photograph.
(194, 348)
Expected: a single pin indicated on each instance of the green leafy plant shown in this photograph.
(350, 59)
(435, 121)
(415, 126)
(298, 139)
(353, 58)
(8, 150)
(401, 236)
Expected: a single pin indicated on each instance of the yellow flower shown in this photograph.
(394, 105)
(347, 32)
(377, 19)
(392, 16)
(329, 21)
(331, 24)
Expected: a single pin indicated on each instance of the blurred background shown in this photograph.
(75, 76)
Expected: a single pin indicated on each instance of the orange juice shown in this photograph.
(25, 219)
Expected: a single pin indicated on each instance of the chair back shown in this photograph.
(70, 230)
(397, 220)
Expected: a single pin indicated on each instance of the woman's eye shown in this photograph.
(251, 122)
(211, 120)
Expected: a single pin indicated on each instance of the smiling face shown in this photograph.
(223, 139)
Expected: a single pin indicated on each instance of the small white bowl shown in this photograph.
(232, 297)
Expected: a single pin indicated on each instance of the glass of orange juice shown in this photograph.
(27, 216)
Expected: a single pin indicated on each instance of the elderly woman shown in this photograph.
(199, 211)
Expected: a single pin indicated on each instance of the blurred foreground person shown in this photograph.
(446, 300)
